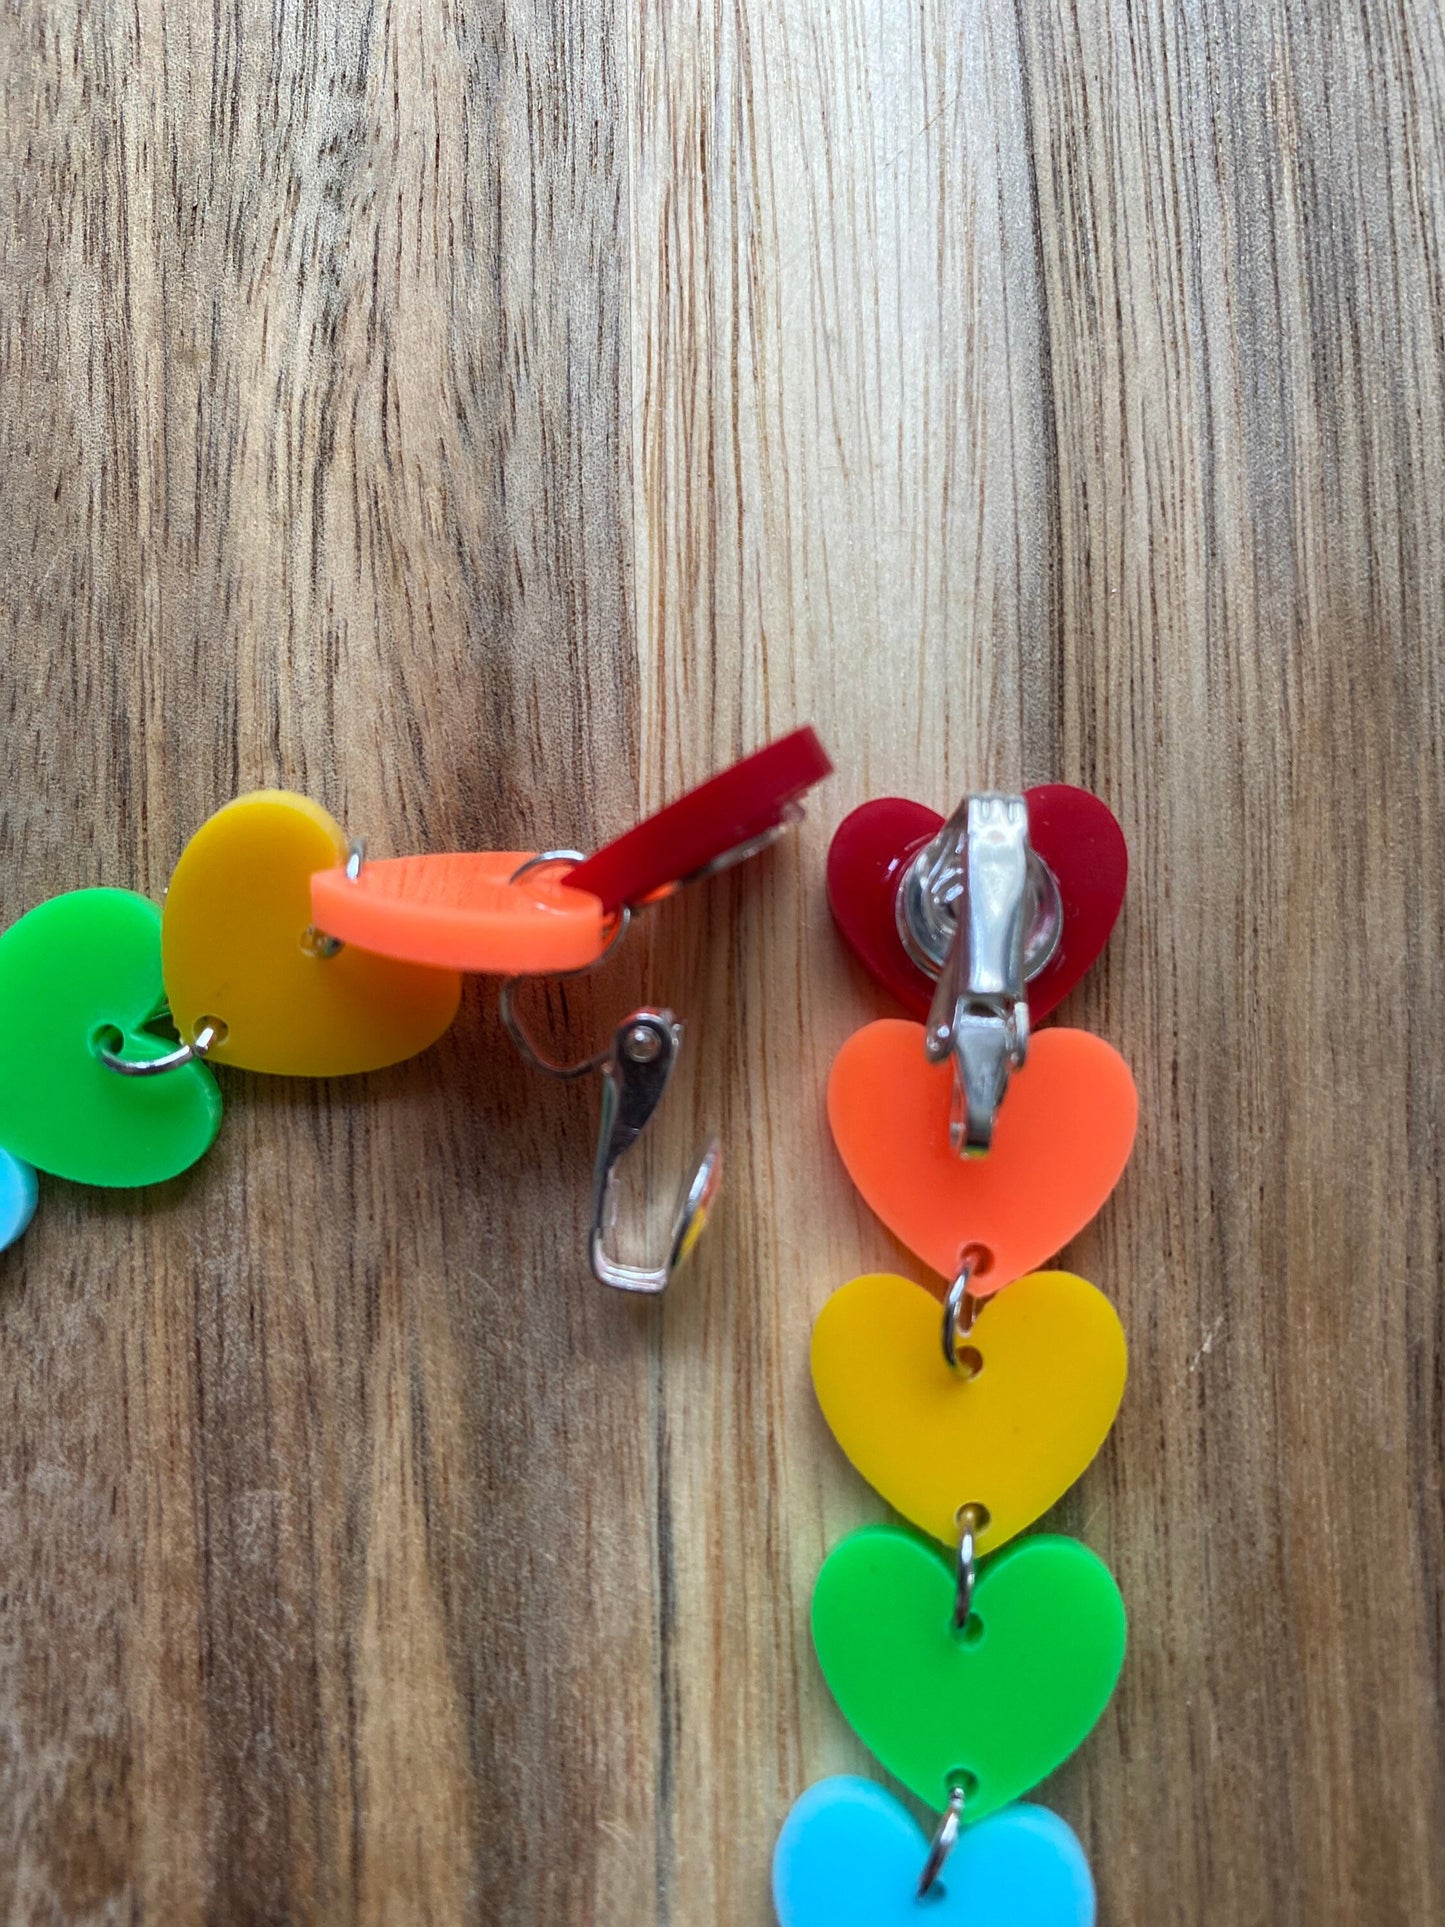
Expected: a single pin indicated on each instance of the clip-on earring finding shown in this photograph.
(981, 909)
(724, 822)
(979, 925)
(636, 1069)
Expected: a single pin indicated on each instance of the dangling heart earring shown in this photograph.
(282, 949)
(970, 1676)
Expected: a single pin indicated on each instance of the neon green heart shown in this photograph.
(996, 1707)
(71, 971)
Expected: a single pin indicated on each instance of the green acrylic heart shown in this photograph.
(997, 1706)
(72, 970)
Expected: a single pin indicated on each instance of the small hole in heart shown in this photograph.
(107, 1037)
(982, 1517)
(968, 1362)
(972, 1634)
(976, 1260)
(960, 1776)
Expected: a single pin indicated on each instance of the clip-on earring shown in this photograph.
(636, 1068)
(980, 925)
(973, 1666)
(281, 949)
(559, 914)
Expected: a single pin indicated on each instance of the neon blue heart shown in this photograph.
(850, 1856)
(18, 1192)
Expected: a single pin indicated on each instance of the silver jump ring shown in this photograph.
(544, 859)
(506, 1004)
(173, 1060)
(316, 941)
(944, 1841)
(960, 1308)
(970, 1524)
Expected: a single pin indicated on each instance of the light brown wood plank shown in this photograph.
(489, 424)
(315, 389)
(1056, 393)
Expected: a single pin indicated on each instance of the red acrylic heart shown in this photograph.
(1076, 835)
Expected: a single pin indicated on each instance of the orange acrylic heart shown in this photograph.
(1060, 1144)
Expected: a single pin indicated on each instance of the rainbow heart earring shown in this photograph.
(281, 949)
(969, 1661)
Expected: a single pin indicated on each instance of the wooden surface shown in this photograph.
(488, 421)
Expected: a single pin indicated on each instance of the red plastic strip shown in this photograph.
(728, 811)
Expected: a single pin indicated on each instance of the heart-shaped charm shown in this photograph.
(19, 1194)
(993, 1709)
(1062, 1139)
(850, 1855)
(77, 973)
(1075, 833)
(1048, 1374)
(502, 912)
(240, 952)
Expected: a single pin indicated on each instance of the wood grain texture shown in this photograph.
(488, 423)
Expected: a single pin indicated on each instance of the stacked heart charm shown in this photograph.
(970, 1662)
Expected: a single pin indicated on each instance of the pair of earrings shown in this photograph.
(281, 949)
(969, 1661)
(971, 1406)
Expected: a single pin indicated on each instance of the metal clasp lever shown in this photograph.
(980, 1011)
(981, 911)
(635, 1076)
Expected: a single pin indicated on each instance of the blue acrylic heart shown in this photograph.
(18, 1193)
(850, 1856)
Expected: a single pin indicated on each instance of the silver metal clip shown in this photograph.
(980, 911)
(636, 1068)
(635, 1076)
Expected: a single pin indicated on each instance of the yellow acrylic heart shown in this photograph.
(238, 951)
(1013, 1437)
